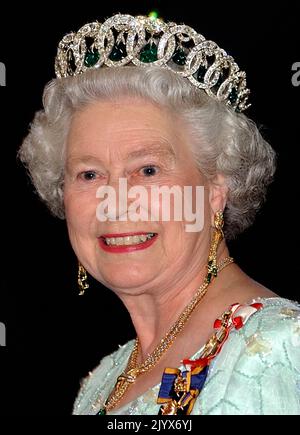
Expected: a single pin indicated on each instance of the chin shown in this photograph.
(126, 276)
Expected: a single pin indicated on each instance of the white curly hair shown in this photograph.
(222, 141)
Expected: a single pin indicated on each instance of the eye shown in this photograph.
(149, 170)
(88, 175)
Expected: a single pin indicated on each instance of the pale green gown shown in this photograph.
(256, 372)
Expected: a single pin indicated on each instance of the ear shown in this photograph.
(218, 192)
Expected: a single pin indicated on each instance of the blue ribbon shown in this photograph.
(167, 391)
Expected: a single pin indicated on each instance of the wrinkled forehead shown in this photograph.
(131, 128)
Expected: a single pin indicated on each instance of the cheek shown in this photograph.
(80, 208)
(178, 246)
(174, 238)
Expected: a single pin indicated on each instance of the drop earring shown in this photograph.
(218, 235)
(82, 279)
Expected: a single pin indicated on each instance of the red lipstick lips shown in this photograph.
(118, 249)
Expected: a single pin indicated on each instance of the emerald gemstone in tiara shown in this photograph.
(179, 57)
(233, 96)
(149, 53)
(118, 52)
(201, 73)
(91, 58)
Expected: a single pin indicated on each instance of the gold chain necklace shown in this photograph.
(133, 370)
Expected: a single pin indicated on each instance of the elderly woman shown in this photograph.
(156, 105)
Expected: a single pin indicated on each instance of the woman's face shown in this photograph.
(147, 146)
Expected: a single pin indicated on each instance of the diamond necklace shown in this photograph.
(133, 369)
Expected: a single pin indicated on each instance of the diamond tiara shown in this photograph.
(144, 41)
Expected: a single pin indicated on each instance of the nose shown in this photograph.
(120, 186)
(114, 198)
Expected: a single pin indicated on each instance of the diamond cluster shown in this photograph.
(143, 41)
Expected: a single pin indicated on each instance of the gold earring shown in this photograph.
(82, 278)
(218, 235)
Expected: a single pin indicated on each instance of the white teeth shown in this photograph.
(136, 239)
(119, 241)
(128, 240)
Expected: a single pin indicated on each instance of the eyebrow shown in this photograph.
(157, 150)
(83, 159)
(163, 151)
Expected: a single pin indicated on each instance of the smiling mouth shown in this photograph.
(128, 240)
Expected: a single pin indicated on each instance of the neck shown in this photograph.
(153, 313)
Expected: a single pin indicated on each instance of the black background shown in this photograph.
(55, 337)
